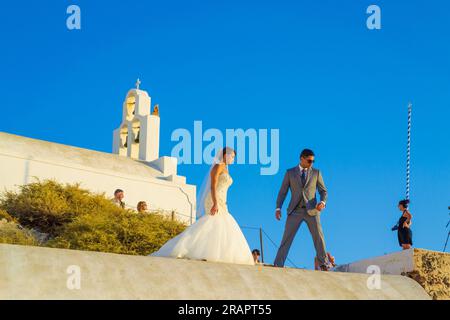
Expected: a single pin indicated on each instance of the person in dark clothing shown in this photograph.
(256, 254)
(404, 226)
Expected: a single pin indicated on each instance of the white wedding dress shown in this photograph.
(215, 238)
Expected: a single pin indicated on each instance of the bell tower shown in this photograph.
(138, 134)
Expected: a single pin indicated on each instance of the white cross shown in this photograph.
(138, 82)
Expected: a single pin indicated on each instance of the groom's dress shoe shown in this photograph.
(324, 268)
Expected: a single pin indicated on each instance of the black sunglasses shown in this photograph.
(310, 161)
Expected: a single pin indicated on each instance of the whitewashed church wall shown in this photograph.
(159, 194)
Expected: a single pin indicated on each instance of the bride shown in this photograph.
(215, 236)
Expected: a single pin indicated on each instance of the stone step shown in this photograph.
(44, 273)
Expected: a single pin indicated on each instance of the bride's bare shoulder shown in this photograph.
(218, 168)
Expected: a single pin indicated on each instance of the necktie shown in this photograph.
(304, 176)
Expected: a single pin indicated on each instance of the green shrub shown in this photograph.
(127, 233)
(11, 233)
(48, 205)
(75, 218)
(5, 215)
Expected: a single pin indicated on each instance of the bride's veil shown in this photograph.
(206, 184)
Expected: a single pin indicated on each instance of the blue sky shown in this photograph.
(310, 69)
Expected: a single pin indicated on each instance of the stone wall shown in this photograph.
(432, 272)
(431, 269)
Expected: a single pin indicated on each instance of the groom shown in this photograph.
(303, 181)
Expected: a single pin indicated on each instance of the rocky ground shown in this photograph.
(432, 272)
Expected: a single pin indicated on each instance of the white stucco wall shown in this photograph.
(23, 158)
(43, 273)
(393, 263)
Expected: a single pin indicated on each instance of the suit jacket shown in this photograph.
(292, 180)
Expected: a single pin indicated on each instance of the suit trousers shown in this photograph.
(293, 223)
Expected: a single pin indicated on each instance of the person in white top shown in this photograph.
(118, 198)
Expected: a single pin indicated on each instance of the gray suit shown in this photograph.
(302, 207)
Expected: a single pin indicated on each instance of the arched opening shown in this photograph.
(136, 128)
(131, 106)
(123, 136)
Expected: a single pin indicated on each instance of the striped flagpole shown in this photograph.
(408, 153)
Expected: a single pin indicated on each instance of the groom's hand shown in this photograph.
(278, 214)
(320, 206)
